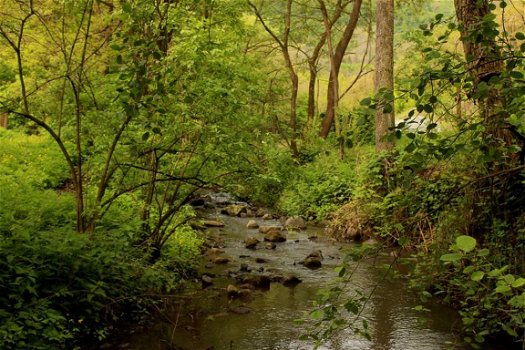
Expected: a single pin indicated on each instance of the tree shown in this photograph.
(283, 41)
(484, 62)
(12, 29)
(336, 61)
(4, 120)
(384, 74)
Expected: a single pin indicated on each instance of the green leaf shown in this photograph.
(483, 252)
(431, 126)
(518, 282)
(466, 243)
(520, 36)
(467, 321)
(316, 314)
(477, 276)
(340, 270)
(157, 55)
(352, 307)
(366, 101)
(421, 308)
(469, 269)
(126, 7)
(502, 289)
(509, 330)
(451, 257)
(410, 147)
(509, 279)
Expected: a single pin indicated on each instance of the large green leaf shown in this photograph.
(466, 243)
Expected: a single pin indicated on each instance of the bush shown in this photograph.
(59, 287)
(32, 159)
(315, 190)
(490, 299)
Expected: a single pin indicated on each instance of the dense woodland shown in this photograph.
(400, 122)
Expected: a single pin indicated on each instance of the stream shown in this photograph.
(205, 317)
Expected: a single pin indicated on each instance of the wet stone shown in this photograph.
(220, 260)
(312, 263)
(251, 243)
(269, 245)
(266, 229)
(274, 236)
(232, 291)
(291, 281)
(295, 222)
(239, 310)
(252, 224)
(206, 280)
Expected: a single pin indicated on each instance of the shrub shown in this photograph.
(58, 287)
(490, 299)
(315, 190)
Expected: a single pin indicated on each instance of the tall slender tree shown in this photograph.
(336, 61)
(283, 41)
(384, 74)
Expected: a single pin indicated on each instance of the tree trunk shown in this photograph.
(338, 56)
(484, 62)
(4, 119)
(311, 93)
(384, 73)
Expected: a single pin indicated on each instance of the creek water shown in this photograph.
(208, 319)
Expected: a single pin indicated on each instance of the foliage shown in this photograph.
(19, 153)
(316, 191)
(60, 286)
(490, 299)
